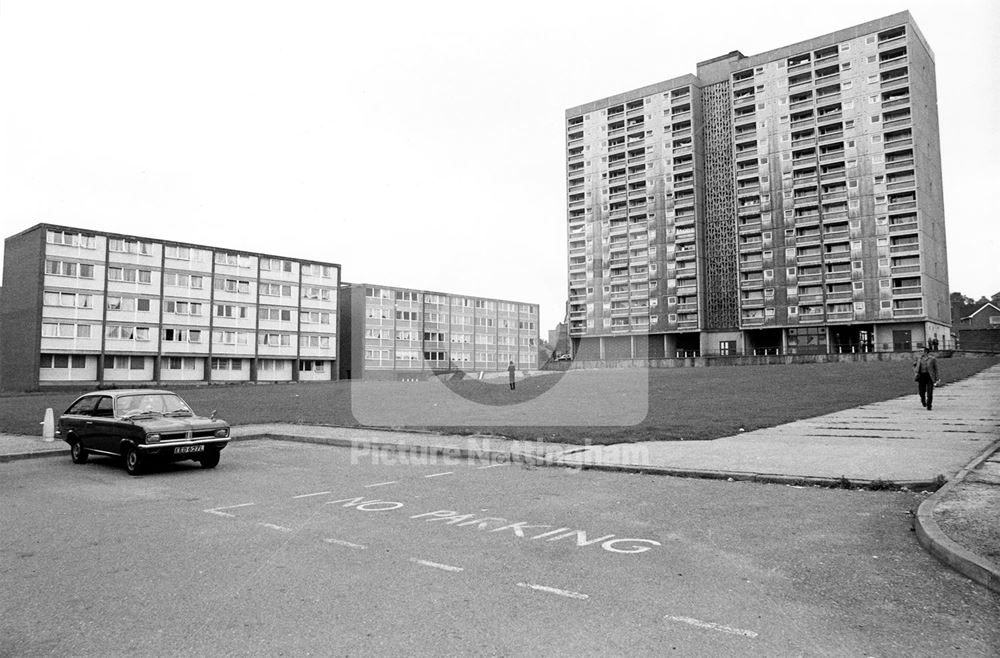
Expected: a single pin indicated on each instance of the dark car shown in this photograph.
(140, 426)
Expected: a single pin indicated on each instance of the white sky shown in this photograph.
(417, 144)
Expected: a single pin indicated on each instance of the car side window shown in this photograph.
(104, 407)
(83, 406)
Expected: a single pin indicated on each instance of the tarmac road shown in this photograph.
(292, 549)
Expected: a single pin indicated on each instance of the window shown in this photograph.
(316, 293)
(179, 363)
(314, 317)
(274, 340)
(183, 280)
(129, 275)
(124, 362)
(70, 239)
(130, 246)
(63, 361)
(315, 342)
(127, 333)
(230, 337)
(128, 304)
(236, 260)
(70, 269)
(227, 364)
(182, 335)
(65, 330)
(230, 311)
(238, 286)
(67, 299)
(275, 314)
(182, 308)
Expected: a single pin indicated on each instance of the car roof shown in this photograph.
(130, 391)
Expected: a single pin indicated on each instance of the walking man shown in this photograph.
(511, 369)
(925, 373)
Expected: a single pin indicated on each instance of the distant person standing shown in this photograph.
(925, 373)
(511, 369)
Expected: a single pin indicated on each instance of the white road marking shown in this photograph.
(341, 542)
(318, 493)
(218, 510)
(711, 626)
(436, 565)
(434, 475)
(479, 468)
(275, 527)
(553, 590)
(381, 484)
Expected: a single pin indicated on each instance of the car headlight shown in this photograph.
(221, 434)
(153, 438)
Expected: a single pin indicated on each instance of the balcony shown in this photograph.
(833, 135)
(908, 227)
(902, 205)
(840, 316)
(895, 102)
(904, 248)
(892, 62)
(901, 184)
(906, 290)
(899, 163)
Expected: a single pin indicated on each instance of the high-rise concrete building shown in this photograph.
(402, 333)
(83, 307)
(787, 202)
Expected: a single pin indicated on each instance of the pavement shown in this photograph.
(951, 453)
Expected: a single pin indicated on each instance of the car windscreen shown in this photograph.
(160, 404)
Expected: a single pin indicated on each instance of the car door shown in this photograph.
(79, 421)
(103, 428)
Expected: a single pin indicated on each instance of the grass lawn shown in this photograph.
(683, 403)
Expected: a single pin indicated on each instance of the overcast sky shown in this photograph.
(417, 144)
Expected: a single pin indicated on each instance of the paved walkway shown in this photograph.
(895, 443)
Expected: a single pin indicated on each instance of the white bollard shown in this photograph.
(48, 426)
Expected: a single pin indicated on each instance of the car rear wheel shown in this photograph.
(133, 461)
(78, 453)
(211, 459)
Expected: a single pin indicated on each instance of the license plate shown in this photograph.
(180, 450)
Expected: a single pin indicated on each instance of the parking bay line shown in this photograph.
(309, 495)
(479, 468)
(273, 526)
(435, 475)
(553, 590)
(219, 512)
(712, 626)
(437, 565)
(381, 484)
(348, 544)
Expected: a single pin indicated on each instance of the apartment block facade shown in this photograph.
(401, 333)
(784, 203)
(88, 307)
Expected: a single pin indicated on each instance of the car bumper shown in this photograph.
(168, 446)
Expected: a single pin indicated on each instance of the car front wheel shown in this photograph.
(211, 459)
(78, 453)
(133, 461)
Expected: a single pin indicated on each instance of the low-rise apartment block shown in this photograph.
(400, 333)
(89, 307)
